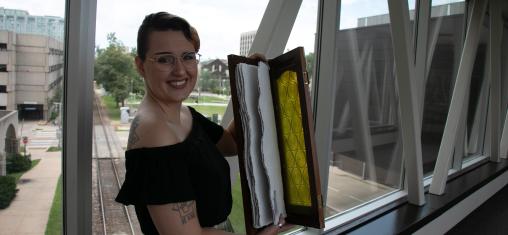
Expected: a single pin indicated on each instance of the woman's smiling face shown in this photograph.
(173, 84)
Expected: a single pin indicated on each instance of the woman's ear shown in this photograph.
(140, 66)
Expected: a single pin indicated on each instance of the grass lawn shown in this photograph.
(54, 225)
(208, 99)
(208, 111)
(236, 217)
(19, 174)
(113, 110)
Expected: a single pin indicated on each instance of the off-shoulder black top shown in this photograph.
(190, 170)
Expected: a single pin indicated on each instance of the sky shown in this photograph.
(219, 22)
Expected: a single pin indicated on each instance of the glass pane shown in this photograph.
(478, 98)
(31, 83)
(219, 37)
(504, 76)
(446, 37)
(304, 34)
(366, 147)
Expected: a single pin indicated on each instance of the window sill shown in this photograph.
(408, 218)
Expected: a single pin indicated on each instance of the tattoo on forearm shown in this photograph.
(133, 137)
(186, 211)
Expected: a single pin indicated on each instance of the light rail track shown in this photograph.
(109, 217)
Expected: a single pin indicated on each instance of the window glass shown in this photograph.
(478, 98)
(504, 77)
(31, 83)
(446, 35)
(366, 145)
(221, 26)
(304, 33)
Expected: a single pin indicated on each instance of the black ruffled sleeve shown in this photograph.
(212, 129)
(157, 175)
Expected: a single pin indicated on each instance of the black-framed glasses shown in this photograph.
(166, 62)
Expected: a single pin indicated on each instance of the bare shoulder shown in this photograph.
(147, 130)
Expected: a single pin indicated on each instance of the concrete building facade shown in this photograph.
(31, 67)
(21, 21)
(8, 128)
(246, 40)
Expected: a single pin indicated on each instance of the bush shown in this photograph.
(54, 149)
(7, 190)
(18, 163)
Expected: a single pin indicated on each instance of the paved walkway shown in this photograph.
(29, 211)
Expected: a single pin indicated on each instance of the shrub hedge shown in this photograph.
(7, 190)
(18, 163)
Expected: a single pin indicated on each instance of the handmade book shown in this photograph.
(276, 150)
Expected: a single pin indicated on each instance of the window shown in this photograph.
(446, 35)
(366, 147)
(211, 94)
(478, 98)
(3, 89)
(3, 68)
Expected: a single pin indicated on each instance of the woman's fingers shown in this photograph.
(257, 56)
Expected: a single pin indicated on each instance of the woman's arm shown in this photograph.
(182, 218)
(227, 143)
(179, 219)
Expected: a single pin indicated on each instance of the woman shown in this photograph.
(177, 177)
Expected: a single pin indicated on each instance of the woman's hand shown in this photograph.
(257, 56)
(276, 228)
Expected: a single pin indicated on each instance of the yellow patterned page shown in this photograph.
(296, 173)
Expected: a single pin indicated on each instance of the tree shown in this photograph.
(309, 58)
(114, 70)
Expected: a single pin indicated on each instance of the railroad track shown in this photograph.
(109, 217)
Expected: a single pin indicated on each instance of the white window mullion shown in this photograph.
(422, 38)
(77, 118)
(408, 96)
(324, 86)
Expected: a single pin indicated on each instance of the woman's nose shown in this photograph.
(178, 68)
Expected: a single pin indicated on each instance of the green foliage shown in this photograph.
(210, 82)
(7, 190)
(18, 175)
(111, 106)
(54, 149)
(54, 225)
(115, 71)
(236, 217)
(309, 58)
(208, 111)
(18, 163)
(207, 99)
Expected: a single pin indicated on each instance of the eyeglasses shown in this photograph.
(166, 62)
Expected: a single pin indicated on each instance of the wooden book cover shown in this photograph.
(289, 92)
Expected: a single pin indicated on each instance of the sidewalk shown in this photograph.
(29, 211)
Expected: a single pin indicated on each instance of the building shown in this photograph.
(31, 62)
(31, 67)
(21, 21)
(246, 40)
(219, 70)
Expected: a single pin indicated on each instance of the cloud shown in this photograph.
(219, 22)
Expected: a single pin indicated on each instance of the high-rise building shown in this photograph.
(246, 40)
(21, 21)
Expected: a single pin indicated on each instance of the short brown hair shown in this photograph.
(162, 21)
